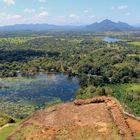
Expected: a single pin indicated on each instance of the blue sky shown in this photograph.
(72, 12)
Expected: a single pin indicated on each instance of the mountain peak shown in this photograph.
(108, 25)
(107, 21)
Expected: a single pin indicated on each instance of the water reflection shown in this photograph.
(111, 40)
(35, 91)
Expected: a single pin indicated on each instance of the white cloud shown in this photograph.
(10, 19)
(13, 17)
(121, 7)
(73, 16)
(42, 0)
(6, 16)
(43, 14)
(10, 2)
(27, 10)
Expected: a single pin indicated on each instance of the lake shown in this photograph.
(21, 96)
(111, 40)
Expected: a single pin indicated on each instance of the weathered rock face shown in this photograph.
(97, 118)
(116, 113)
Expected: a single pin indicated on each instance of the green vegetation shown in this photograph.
(4, 119)
(4, 133)
(128, 95)
(81, 53)
(135, 43)
(7, 125)
(95, 63)
(92, 91)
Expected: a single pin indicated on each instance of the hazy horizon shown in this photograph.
(68, 12)
(75, 24)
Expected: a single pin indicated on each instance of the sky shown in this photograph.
(68, 12)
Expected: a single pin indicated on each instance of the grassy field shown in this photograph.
(7, 125)
(134, 55)
(132, 87)
(128, 87)
(135, 43)
(128, 95)
(6, 131)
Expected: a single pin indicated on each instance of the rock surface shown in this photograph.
(91, 119)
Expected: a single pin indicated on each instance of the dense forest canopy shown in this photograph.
(83, 53)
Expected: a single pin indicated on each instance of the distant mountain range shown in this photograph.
(37, 27)
(104, 26)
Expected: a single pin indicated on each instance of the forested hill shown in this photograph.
(105, 25)
(108, 25)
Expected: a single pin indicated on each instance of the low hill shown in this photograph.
(98, 118)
